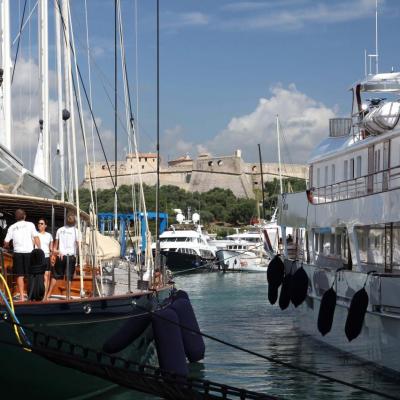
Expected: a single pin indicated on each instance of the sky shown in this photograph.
(227, 68)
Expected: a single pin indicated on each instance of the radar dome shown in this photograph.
(180, 218)
(196, 217)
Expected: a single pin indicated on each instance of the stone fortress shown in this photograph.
(201, 174)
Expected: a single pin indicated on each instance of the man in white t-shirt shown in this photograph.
(24, 236)
(46, 244)
(66, 245)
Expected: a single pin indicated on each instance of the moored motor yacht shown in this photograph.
(351, 217)
(185, 245)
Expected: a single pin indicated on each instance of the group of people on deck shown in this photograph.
(58, 252)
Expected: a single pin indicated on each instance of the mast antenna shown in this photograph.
(376, 38)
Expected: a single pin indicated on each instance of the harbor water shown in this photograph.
(234, 307)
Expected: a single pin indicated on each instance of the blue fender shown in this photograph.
(169, 343)
(192, 342)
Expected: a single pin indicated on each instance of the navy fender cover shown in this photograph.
(355, 317)
(128, 333)
(169, 342)
(326, 311)
(286, 289)
(180, 294)
(299, 286)
(193, 342)
(275, 275)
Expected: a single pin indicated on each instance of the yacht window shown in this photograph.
(316, 241)
(318, 177)
(351, 168)
(345, 170)
(359, 160)
(321, 243)
(332, 244)
(333, 174)
(338, 245)
(326, 175)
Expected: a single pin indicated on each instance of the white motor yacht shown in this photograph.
(351, 215)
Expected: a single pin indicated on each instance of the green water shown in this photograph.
(234, 307)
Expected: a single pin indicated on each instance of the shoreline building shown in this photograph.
(200, 174)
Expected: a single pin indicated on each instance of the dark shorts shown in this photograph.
(60, 268)
(21, 263)
(47, 264)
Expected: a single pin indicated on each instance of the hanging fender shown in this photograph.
(193, 342)
(127, 334)
(169, 342)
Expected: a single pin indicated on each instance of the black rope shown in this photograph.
(18, 43)
(275, 360)
(129, 373)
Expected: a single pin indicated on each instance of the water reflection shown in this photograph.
(234, 307)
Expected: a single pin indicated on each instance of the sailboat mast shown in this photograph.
(115, 121)
(60, 99)
(279, 153)
(158, 141)
(262, 182)
(44, 84)
(5, 86)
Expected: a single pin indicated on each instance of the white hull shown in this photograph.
(235, 261)
(378, 341)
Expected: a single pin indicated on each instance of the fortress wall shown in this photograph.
(202, 174)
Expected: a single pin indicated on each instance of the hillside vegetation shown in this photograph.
(215, 206)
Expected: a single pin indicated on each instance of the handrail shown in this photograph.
(377, 182)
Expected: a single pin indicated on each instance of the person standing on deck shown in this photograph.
(46, 244)
(24, 237)
(66, 244)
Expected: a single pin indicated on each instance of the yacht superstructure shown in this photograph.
(352, 220)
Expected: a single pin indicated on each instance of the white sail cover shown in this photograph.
(38, 167)
(107, 247)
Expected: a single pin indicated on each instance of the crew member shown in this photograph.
(24, 237)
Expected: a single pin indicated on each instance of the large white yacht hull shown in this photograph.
(378, 341)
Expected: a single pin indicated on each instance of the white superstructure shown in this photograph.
(352, 218)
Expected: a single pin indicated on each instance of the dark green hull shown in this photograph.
(88, 323)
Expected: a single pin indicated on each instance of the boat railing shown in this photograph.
(373, 183)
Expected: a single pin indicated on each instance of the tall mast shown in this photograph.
(60, 103)
(262, 182)
(279, 153)
(115, 121)
(44, 85)
(68, 95)
(5, 85)
(158, 141)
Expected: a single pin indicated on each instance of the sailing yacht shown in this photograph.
(351, 217)
(78, 312)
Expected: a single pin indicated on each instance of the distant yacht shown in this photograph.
(185, 245)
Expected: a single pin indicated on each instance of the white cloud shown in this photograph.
(25, 127)
(292, 18)
(304, 123)
(173, 140)
(174, 20)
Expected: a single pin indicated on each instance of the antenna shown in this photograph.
(376, 55)
(376, 37)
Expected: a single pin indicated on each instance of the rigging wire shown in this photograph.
(19, 41)
(79, 76)
(91, 104)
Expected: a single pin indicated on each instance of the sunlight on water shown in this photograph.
(234, 307)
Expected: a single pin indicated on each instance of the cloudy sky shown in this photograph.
(227, 68)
